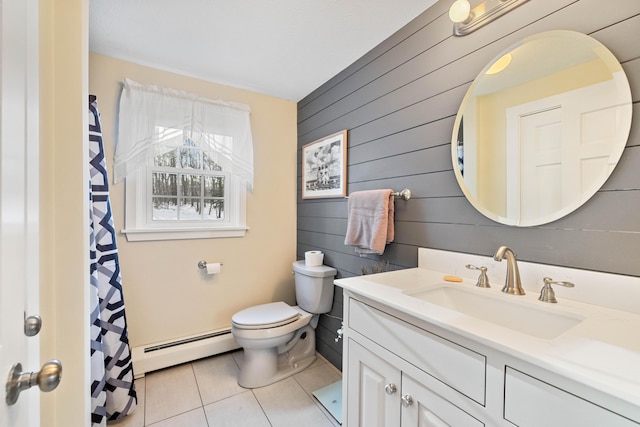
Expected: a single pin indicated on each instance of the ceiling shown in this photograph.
(281, 48)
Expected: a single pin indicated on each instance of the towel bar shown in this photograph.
(405, 194)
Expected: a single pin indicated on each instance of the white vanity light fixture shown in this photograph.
(466, 19)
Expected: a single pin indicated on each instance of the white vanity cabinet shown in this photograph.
(382, 395)
(404, 372)
(383, 386)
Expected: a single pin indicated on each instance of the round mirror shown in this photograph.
(541, 128)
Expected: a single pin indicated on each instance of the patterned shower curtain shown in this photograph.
(113, 393)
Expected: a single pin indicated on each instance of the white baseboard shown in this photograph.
(150, 358)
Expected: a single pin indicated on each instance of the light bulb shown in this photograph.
(499, 65)
(459, 11)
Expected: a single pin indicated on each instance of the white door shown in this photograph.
(19, 201)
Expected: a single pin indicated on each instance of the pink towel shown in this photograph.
(370, 221)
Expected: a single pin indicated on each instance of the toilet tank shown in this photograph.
(314, 287)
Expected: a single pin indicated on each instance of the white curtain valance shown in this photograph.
(154, 120)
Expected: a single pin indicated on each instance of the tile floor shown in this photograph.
(205, 393)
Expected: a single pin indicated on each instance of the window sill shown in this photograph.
(142, 235)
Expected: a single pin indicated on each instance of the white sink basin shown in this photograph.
(504, 311)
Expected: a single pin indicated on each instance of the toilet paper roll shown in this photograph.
(213, 267)
(313, 258)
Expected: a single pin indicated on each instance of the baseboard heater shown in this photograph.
(170, 353)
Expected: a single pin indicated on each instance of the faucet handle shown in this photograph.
(483, 279)
(547, 294)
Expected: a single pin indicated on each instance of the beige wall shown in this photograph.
(63, 205)
(166, 295)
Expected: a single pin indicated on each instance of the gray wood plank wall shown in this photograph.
(399, 102)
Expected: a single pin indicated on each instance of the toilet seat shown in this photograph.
(265, 316)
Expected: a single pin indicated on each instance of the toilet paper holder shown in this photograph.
(203, 264)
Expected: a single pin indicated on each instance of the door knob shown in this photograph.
(390, 388)
(407, 400)
(46, 378)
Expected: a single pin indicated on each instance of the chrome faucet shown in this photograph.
(512, 283)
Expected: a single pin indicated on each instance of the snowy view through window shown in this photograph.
(186, 184)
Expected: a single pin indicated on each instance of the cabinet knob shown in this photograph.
(407, 400)
(390, 388)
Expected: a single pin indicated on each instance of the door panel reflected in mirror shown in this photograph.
(541, 128)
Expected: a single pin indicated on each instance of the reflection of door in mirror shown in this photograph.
(536, 189)
(546, 171)
(542, 135)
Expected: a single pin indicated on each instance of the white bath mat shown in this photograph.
(331, 398)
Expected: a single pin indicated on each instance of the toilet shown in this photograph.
(279, 340)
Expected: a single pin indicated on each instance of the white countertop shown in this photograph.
(602, 351)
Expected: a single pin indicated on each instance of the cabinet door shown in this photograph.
(424, 408)
(373, 389)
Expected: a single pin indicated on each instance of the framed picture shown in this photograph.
(324, 167)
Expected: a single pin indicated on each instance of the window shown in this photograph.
(186, 185)
(193, 181)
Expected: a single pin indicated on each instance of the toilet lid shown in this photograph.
(265, 316)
